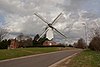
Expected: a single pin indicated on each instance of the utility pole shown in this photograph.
(85, 33)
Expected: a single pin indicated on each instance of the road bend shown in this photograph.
(43, 60)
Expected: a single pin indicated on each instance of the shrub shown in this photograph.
(80, 44)
(95, 44)
(4, 44)
(70, 45)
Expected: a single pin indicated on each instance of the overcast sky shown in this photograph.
(18, 16)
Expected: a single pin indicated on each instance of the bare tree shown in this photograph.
(95, 42)
(3, 33)
(95, 32)
(20, 37)
(80, 44)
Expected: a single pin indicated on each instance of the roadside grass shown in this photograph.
(19, 52)
(87, 58)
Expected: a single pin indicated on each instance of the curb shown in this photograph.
(55, 64)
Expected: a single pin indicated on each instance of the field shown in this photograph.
(87, 58)
(13, 53)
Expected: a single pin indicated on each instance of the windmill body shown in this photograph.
(49, 34)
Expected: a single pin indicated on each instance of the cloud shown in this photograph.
(18, 15)
(10, 6)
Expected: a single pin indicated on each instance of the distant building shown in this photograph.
(49, 43)
(22, 43)
(14, 44)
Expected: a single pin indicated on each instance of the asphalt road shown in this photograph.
(39, 60)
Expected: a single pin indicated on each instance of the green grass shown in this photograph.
(87, 58)
(13, 53)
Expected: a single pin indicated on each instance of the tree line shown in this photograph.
(93, 45)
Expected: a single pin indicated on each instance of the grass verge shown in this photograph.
(86, 58)
(13, 53)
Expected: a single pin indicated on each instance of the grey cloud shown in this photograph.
(24, 20)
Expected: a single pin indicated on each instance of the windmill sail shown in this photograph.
(50, 28)
(49, 34)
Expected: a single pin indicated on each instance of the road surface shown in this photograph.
(43, 60)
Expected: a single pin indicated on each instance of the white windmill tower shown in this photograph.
(50, 29)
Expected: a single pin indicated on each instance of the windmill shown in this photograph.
(50, 29)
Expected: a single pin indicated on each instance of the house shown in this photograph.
(22, 43)
(14, 44)
(49, 43)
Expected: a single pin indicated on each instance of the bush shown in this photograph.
(80, 44)
(95, 44)
(4, 44)
(70, 45)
